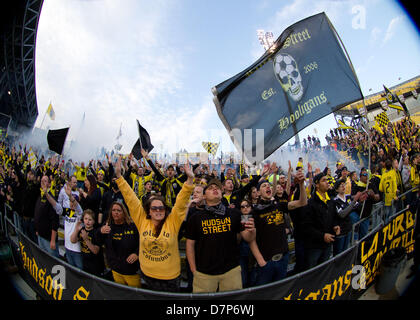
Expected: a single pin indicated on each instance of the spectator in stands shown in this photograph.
(158, 227)
(31, 190)
(272, 222)
(366, 204)
(91, 198)
(86, 235)
(212, 243)
(244, 250)
(120, 237)
(46, 220)
(388, 185)
(147, 193)
(71, 211)
(110, 196)
(320, 225)
(170, 185)
(81, 172)
(344, 205)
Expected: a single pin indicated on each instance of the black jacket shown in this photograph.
(319, 218)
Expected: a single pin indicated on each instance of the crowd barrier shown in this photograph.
(343, 277)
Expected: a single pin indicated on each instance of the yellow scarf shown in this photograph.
(327, 198)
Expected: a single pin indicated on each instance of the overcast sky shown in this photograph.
(156, 61)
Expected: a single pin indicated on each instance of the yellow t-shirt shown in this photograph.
(81, 173)
(414, 178)
(388, 185)
(159, 257)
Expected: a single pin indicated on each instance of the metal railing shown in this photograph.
(377, 217)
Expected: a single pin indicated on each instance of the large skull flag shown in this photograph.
(303, 77)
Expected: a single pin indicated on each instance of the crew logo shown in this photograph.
(287, 73)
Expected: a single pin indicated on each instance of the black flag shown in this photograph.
(142, 142)
(56, 139)
(302, 78)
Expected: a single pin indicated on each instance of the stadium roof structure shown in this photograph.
(373, 101)
(19, 24)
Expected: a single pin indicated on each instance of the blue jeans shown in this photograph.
(341, 243)
(272, 271)
(363, 228)
(74, 258)
(388, 212)
(244, 262)
(45, 244)
(300, 256)
(314, 256)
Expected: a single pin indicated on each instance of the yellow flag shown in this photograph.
(397, 141)
(51, 112)
(378, 128)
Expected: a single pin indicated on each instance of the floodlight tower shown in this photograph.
(267, 41)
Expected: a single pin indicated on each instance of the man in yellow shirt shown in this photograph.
(81, 173)
(388, 185)
(138, 180)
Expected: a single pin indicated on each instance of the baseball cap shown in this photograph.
(215, 182)
(318, 177)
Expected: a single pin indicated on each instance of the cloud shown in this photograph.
(391, 30)
(108, 61)
(375, 35)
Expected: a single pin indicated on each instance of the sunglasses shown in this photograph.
(160, 208)
(245, 206)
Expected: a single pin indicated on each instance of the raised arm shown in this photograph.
(303, 198)
(130, 198)
(159, 176)
(183, 197)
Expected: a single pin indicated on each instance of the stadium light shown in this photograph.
(265, 38)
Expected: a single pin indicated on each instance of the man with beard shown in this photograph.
(272, 222)
(212, 245)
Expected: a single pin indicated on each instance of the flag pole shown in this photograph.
(65, 140)
(44, 116)
(364, 106)
(138, 128)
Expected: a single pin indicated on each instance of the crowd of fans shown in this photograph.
(124, 218)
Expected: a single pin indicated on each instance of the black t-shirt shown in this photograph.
(45, 218)
(92, 263)
(122, 241)
(270, 223)
(216, 244)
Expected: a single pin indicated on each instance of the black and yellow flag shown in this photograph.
(392, 99)
(210, 147)
(382, 119)
(344, 126)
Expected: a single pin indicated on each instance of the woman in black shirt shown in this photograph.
(121, 240)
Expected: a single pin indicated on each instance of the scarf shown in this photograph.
(220, 209)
